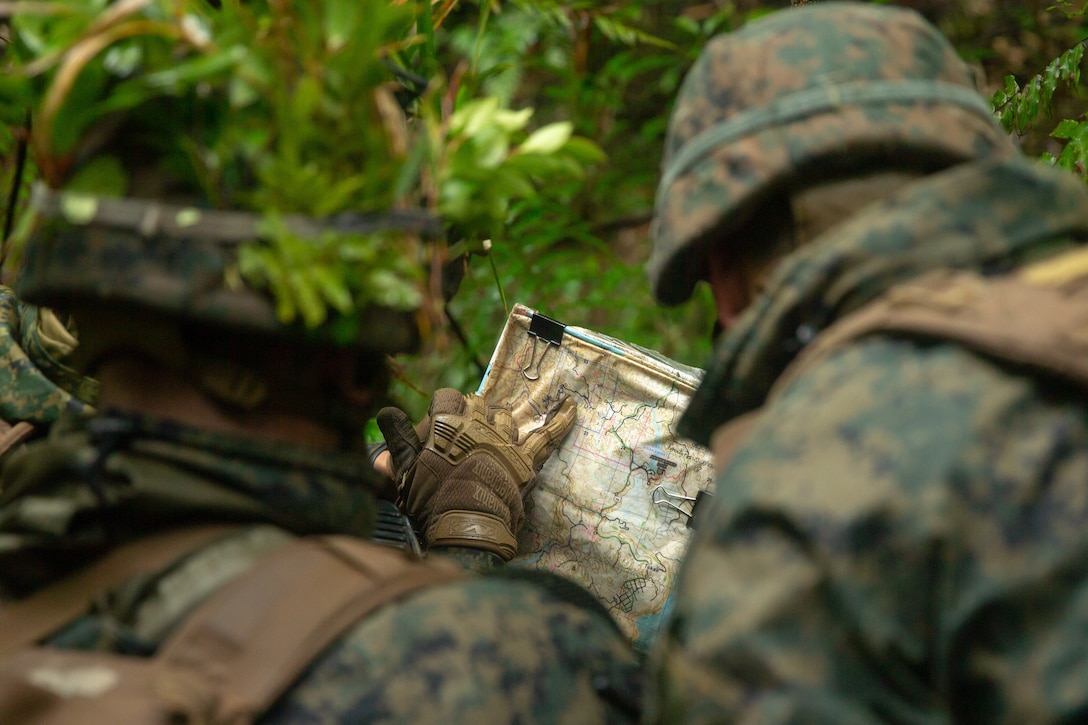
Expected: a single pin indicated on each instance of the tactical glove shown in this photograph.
(463, 471)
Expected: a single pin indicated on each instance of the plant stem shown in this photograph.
(430, 55)
(498, 282)
(485, 14)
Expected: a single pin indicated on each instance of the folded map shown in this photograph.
(610, 509)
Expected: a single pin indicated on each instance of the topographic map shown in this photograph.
(610, 508)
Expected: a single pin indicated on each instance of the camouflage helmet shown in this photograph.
(209, 224)
(173, 261)
(800, 95)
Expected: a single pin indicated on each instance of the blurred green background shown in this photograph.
(613, 69)
(575, 250)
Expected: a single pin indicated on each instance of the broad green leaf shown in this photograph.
(585, 151)
(491, 147)
(512, 183)
(1067, 128)
(473, 116)
(548, 139)
(540, 165)
(511, 121)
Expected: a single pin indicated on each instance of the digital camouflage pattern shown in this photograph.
(490, 648)
(802, 95)
(34, 385)
(487, 649)
(902, 535)
(98, 479)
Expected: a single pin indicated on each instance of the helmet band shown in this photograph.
(228, 228)
(801, 104)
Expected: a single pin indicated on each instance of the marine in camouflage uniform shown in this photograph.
(36, 384)
(214, 415)
(899, 530)
(495, 648)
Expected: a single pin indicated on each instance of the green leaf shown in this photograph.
(332, 288)
(511, 183)
(511, 121)
(337, 196)
(540, 165)
(1067, 129)
(200, 68)
(103, 176)
(585, 151)
(490, 147)
(304, 291)
(548, 139)
(340, 19)
(455, 200)
(474, 116)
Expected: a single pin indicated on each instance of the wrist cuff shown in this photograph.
(475, 530)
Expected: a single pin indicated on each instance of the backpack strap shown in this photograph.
(1035, 317)
(236, 653)
(31, 619)
(242, 649)
(46, 686)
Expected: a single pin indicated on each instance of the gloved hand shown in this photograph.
(462, 472)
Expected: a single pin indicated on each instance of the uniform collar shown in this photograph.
(983, 216)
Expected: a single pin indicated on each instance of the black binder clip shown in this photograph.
(665, 498)
(548, 330)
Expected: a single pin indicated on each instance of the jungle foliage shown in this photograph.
(535, 124)
(282, 108)
(581, 262)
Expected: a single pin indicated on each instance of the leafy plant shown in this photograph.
(1019, 107)
(281, 107)
(575, 252)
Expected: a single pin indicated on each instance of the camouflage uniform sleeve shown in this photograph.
(485, 650)
(903, 538)
(34, 385)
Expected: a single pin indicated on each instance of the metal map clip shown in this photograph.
(548, 330)
(667, 498)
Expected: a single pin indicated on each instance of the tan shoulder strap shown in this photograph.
(235, 654)
(1037, 317)
(231, 659)
(29, 620)
(45, 686)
